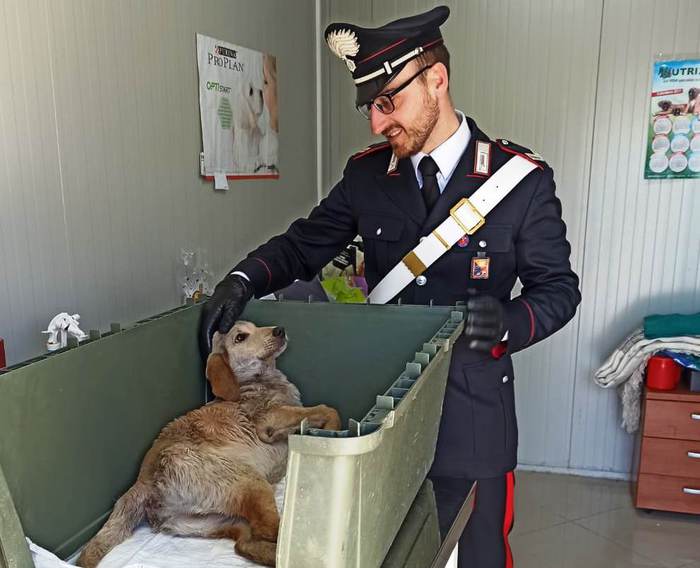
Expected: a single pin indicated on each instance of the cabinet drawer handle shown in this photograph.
(694, 455)
(690, 491)
(695, 416)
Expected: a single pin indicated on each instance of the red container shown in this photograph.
(2, 353)
(663, 373)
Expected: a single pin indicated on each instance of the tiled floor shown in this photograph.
(564, 521)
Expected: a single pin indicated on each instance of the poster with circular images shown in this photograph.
(673, 147)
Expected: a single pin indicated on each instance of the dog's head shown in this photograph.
(244, 353)
(250, 105)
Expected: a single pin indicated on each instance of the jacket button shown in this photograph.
(505, 379)
(379, 231)
(421, 280)
(482, 244)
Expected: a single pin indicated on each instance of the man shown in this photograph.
(396, 193)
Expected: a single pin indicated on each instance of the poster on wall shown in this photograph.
(673, 139)
(238, 112)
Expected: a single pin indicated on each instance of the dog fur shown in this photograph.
(210, 473)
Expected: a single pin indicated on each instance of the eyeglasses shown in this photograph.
(384, 103)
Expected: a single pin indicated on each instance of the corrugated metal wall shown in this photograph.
(99, 153)
(570, 79)
(642, 240)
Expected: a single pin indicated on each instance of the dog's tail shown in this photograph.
(128, 512)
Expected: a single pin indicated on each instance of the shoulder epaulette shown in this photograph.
(513, 148)
(371, 150)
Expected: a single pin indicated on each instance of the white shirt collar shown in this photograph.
(447, 154)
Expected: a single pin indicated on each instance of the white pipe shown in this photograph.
(319, 105)
(319, 108)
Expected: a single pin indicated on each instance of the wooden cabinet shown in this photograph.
(668, 466)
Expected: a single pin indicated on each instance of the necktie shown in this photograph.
(431, 191)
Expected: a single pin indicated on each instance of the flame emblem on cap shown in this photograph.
(344, 43)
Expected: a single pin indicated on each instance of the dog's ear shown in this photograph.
(223, 381)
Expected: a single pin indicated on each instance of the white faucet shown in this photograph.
(60, 327)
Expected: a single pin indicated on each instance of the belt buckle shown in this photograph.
(474, 228)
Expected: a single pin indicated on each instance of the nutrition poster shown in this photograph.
(673, 145)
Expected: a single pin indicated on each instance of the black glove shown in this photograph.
(484, 325)
(223, 309)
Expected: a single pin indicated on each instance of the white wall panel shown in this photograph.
(642, 242)
(99, 146)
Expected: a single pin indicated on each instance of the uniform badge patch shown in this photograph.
(482, 158)
(480, 267)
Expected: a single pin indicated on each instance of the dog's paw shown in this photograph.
(331, 420)
(259, 551)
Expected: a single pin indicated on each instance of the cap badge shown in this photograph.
(344, 43)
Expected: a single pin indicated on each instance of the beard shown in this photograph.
(414, 137)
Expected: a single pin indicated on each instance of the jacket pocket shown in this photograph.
(380, 235)
(456, 265)
(380, 228)
(490, 385)
(499, 238)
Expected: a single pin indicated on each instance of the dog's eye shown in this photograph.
(241, 337)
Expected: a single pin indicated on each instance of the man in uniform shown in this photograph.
(398, 192)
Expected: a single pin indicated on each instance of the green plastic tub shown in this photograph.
(74, 426)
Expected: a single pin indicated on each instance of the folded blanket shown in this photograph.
(671, 325)
(625, 368)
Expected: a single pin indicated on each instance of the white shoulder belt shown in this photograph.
(466, 217)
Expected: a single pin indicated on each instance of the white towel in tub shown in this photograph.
(146, 549)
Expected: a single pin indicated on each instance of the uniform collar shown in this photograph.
(447, 154)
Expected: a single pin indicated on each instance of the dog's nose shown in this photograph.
(278, 331)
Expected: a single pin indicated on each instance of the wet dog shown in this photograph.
(210, 473)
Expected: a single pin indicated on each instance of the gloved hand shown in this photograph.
(484, 325)
(223, 309)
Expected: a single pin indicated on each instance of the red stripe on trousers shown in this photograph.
(509, 516)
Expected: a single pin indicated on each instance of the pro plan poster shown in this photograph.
(673, 146)
(238, 110)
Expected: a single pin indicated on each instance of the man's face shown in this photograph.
(415, 114)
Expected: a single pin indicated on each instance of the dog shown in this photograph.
(693, 104)
(667, 107)
(247, 110)
(210, 473)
